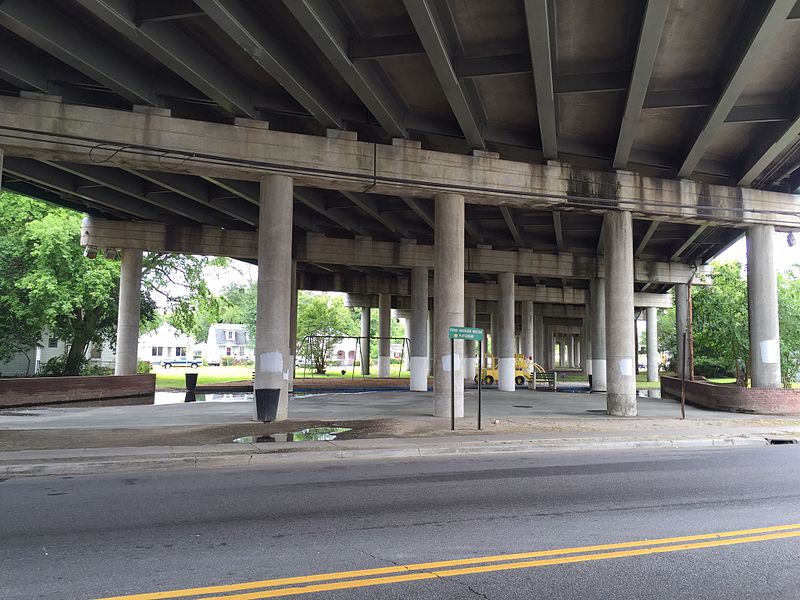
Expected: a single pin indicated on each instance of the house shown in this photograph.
(30, 362)
(227, 339)
(165, 343)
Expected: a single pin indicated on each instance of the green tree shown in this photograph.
(789, 318)
(667, 342)
(720, 320)
(322, 322)
(46, 282)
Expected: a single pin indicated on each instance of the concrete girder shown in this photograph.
(655, 14)
(678, 252)
(329, 34)
(238, 22)
(767, 148)
(18, 68)
(382, 47)
(313, 200)
(195, 189)
(645, 239)
(764, 25)
(64, 183)
(63, 132)
(79, 47)
(366, 252)
(539, 35)
(512, 227)
(178, 52)
(369, 206)
(426, 22)
(131, 185)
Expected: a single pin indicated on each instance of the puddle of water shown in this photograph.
(312, 434)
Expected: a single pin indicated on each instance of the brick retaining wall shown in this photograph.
(732, 398)
(36, 391)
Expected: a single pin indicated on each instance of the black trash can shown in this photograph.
(590, 381)
(191, 381)
(267, 404)
(190, 397)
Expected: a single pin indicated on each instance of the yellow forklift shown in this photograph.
(523, 367)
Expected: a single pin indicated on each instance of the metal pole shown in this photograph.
(480, 357)
(683, 381)
(452, 385)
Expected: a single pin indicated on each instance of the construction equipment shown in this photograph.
(522, 369)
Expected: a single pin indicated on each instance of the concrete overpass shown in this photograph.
(538, 151)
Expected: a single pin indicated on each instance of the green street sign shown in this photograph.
(466, 333)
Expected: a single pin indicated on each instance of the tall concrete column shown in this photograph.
(762, 293)
(572, 361)
(130, 293)
(470, 348)
(681, 328)
(597, 299)
(620, 351)
(562, 351)
(527, 328)
(507, 346)
(365, 337)
(448, 301)
(384, 332)
(293, 327)
(493, 347)
(406, 346)
(431, 329)
(539, 355)
(586, 342)
(419, 330)
(652, 343)
(274, 288)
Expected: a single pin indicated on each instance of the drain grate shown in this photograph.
(780, 441)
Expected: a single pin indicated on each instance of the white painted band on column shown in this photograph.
(419, 374)
(505, 375)
(598, 374)
(384, 364)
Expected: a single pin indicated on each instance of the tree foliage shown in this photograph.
(789, 318)
(322, 322)
(46, 283)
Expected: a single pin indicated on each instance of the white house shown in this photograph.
(164, 343)
(31, 361)
(227, 339)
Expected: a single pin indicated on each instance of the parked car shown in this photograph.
(181, 361)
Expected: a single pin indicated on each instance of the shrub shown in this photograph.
(227, 361)
(97, 370)
(143, 366)
(711, 367)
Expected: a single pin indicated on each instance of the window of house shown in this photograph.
(180, 351)
(52, 342)
(158, 350)
(228, 351)
(97, 351)
(241, 350)
(229, 335)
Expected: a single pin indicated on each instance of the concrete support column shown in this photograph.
(470, 348)
(586, 342)
(365, 336)
(562, 351)
(597, 298)
(572, 360)
(130, 293)
(762, 293)
(652, 343)
(431, 329)
(527, 328)
(384, 332)
(448, 301)
(419, 330)
(539, 354)
(507, 345)
(274, 288)
(293, 327)
(493, 348)
(681, 328)
(406, 345)
(620, 352)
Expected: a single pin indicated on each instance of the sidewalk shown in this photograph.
(64, 441)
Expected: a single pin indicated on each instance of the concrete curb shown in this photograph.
(256, 455)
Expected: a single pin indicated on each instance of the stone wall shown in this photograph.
(732, 398)
(37, 391)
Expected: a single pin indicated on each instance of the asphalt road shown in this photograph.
(100, 536)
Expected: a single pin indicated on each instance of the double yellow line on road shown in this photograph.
(289, 586)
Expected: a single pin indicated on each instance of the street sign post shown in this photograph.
(473, 334)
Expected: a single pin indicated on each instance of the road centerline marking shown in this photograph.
(432, 570)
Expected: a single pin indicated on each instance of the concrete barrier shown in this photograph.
(37, 391)
(732, 398)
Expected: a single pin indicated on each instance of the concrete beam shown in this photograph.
(538, 20)
(366, 252)
(426, 22)
(168, 44)
(62, 132)
(237, 20)
(763, 27)
(323, 26)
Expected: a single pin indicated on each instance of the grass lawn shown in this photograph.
(336, 372)
(174, 377)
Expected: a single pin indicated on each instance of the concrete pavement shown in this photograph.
(200, 434)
